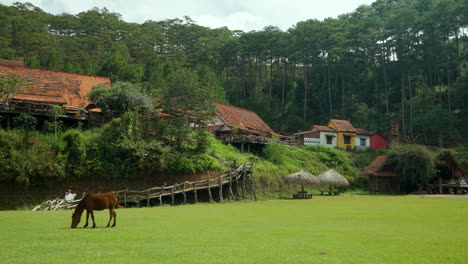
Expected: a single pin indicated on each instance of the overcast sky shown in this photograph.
(245, 15)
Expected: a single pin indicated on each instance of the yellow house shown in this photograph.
(346, 133)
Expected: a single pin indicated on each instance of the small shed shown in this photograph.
(377, 141)
(381, 176)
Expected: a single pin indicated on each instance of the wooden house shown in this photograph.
(381, 176)
(362, 139)
(47, 88)
(377, 141)
(318, 135)
(449, 177)
(234, 120)
(346, 133)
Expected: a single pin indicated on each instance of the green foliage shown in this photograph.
(414, 163)
(25, 121)
(120, 98)
(29, 157)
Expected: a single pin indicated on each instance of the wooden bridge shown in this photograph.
(234, 185)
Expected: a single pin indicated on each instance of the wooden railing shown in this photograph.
(237, 182)
(253, 139)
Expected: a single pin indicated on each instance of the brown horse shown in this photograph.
(91, 202)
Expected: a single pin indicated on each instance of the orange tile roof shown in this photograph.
(322, 128)
(342, 125)
(362, 131)
(54, 87)
(244, 119)
(12, 63)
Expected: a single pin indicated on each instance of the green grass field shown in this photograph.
(344, 229)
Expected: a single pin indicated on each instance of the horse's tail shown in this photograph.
(117, 204)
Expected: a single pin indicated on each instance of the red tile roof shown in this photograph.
(322, 128)
(375, 167)
(362, 131)
(342, 125)
(246, 120)
(63, 88)
(12, 63)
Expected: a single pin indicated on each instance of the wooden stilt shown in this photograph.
(220, 184)
(172, 195)
(243, 182)
(183, 193)
(230, 194)
(125, 197)
(160, 196)
(147, 198)
(209, 190)
(195, 192)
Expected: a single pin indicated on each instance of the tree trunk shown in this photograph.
(342, 96)
(411, 106)
(283, 88)
(403, 124)
(329, 92)
(305, 92)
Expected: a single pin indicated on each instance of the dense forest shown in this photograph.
(402, 60)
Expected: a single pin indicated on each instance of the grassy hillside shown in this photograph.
(344, 229)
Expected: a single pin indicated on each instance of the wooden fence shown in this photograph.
(257, 140)
(237, 184)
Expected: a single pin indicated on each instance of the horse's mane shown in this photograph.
(80, 207)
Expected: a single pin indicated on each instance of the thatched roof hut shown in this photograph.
(332, 178)
(302, 178)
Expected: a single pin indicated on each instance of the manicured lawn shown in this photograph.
(345, 229)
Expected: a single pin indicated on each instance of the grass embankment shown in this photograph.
(345, 229)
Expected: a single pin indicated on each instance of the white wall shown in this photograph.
(323, 139)
(357, 143)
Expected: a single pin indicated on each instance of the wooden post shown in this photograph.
(160, 196)
(237, 186)
(220, 183)
(125, 197)
(248, 147)
(230, 194)
(183, 193)
(243, 181)
(253, 182)
(195, 192)
(242, 147)
(209, 190)
(172, 195)
(440, 186)
(147, 198)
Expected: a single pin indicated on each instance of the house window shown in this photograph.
(363, 141)
(347, 139)
(329, 140)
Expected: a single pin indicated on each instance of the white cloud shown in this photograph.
(236, 14)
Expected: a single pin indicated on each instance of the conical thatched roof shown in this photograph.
(303, 178)
(331, 177)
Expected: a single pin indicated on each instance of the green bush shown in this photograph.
(25, 121)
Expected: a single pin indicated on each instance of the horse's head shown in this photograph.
(75, 220)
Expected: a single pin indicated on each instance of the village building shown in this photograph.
(318, 135)
(448, 179)
(381, 176)
(346, 133)
(234, 120)
(362, 139)
(244, 128)
(377, 141)
(47, 88)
